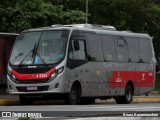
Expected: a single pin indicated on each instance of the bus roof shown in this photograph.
(101, 29)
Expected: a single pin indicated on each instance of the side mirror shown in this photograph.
(76, 45)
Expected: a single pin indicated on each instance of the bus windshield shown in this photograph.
(39, 47)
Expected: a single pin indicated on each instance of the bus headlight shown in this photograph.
(53, 75)
(56, 73)
(60, 70)
(12, 76)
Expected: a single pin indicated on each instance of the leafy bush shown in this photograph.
(157, 83)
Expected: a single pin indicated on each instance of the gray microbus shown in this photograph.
(80, 63)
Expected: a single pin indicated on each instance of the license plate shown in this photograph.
(32, 88)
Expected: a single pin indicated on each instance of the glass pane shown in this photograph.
(95, 47)
(122, 51)
(79, 54)
(24, 44)
(133, 48)
(108, 48)
(51, 47)
(145, 49)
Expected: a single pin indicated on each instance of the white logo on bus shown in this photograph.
(41, 75)
(143, 75)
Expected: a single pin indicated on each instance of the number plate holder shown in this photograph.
(32, 88)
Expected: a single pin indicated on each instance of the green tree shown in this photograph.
(134, 15)
(153, 25)
(141, 16)
(18, 15)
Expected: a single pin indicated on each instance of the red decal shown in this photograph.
(36, 76)
(119, 79)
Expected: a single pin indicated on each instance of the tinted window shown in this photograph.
(145, 49)
(78, 54)
(108, 48)
(121, 50)
(95, 47)
(133, 48)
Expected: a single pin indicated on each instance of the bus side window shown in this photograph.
(78, 50)
(122, 49)
(133, 48)
(145, 49)
(108, 48)
(94, 44)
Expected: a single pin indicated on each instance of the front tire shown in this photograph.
(127, 98)
(74, 96)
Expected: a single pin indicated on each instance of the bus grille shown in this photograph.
(39, 88)
(31, 70)
(32, 81)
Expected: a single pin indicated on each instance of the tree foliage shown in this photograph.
(141, 16)
(17, 15)
(134, 15)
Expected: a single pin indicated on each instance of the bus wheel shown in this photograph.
(74, 96)
(127, 98)
(24, 100)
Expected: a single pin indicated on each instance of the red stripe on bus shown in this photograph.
(36, 76)
(119, 79)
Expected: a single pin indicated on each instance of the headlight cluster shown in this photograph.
(52, 76)
(12, 76)
(55, 73)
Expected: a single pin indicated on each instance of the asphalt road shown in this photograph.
(85, 110)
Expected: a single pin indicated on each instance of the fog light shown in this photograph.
(57, 85)
(10, 87)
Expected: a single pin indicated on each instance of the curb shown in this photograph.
(152, 99)
(136, 99)
(5, 102)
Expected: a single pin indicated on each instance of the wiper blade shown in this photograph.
(33, 52)
(36, 53)
(27, 55)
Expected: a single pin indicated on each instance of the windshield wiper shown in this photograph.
(34, 53)
(28, 55)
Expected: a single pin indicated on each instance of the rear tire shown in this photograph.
(127, 98)
(24, 100)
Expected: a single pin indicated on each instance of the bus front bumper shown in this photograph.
(38, 88)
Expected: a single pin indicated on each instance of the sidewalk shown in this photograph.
(14, 100)
(9, 100)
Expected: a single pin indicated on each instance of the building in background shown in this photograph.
(6, 42)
